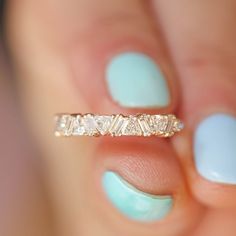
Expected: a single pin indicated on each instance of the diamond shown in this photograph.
(118, 123)
(144, 121)
(64, 125)
(132, 127)
(103, 123)
(89, 125)
(178, 125)
(170, 123)
(163, 124)
(158, 124)
(78, 128)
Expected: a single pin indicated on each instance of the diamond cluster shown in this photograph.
(117, 125)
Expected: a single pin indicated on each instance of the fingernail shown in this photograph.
(134, 203)
(215, 148)
(135, 80)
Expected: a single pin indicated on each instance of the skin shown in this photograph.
(22, 200)
(59, 50)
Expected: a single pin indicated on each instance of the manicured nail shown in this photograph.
(215, 148)
(134, 203)
(134, 80)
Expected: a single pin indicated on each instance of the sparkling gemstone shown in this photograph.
(132, 127)
(144, 121)
(78, 128)
(89, 124)
(163, 124)
(103, 123)
(63, 125)
(158, 124)
(117, 124)
(170, 124)
(178, 125)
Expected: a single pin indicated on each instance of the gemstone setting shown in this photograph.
(103, 123)
(78, 128)
(117, 125)
(132, 127)
(64, 125)
(90, 125)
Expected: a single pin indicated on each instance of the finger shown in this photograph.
(223, 218)
(22, 197)
(69, 74)
(136, 67)
(122, 65)
(203, 48)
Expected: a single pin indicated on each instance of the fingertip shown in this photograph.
(207, 156)
(213, 194)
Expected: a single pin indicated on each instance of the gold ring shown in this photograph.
(117, 125)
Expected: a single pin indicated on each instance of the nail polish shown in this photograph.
(215, 148)
(133, 203)
(134, 80)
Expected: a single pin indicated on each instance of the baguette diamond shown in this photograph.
(64, 125)
(78, 128)
(117, 125)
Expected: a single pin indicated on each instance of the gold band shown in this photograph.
(117, 125)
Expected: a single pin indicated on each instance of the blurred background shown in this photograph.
(24, 206)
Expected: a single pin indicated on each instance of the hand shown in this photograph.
(126, 57)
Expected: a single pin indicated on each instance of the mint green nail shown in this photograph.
(134, 203)
(134, 80)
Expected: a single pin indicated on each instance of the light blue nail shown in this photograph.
(134, 80)
(215, 148)
(134, 203)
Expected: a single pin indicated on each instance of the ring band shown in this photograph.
(117, 125)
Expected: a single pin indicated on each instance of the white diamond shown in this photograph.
(89, 124)
(158, 123)
(63, 125)
(132, 127)
(144, 124)
(61, 122)
(178, 125)
(170, 122)
(162, 124)
(78, 128)
(117, 124)
(103, 123)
